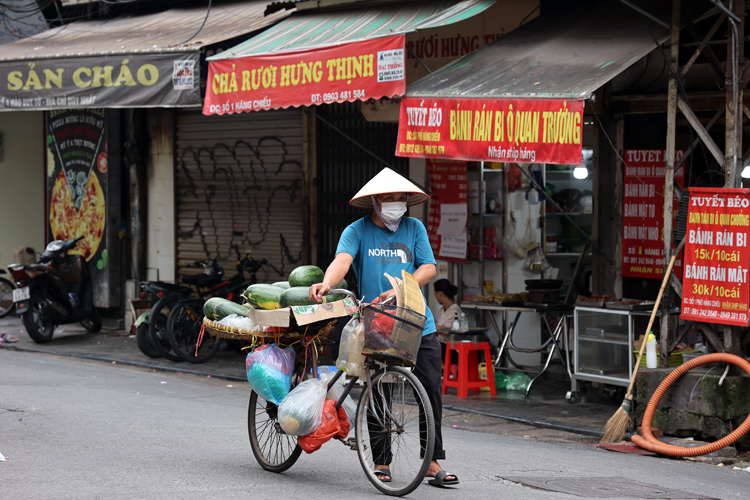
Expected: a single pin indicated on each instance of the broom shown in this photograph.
(615, 428)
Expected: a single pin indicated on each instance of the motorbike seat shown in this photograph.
(201, 280)
(170, 287)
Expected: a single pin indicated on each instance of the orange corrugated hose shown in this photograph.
(649, 442)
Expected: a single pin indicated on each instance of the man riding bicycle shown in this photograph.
(387, 242)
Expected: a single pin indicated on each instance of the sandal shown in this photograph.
(383, 474)
(440, 481)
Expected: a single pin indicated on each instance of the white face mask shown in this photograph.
(390, 213)
(393, 211)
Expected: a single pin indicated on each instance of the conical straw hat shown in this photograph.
(388, 181)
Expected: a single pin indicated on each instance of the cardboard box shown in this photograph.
(303, 315)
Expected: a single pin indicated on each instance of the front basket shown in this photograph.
(393, 334)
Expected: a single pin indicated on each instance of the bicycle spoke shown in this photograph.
(396, 437)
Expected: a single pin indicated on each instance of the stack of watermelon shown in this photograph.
(295, 292)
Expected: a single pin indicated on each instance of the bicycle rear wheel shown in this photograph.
(395, 426)
(157, 327)
(274, 450)
(183, 330)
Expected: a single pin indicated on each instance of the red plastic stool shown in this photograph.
(468, 368)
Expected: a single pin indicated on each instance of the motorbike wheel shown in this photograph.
(157, 327)
(144, 342)
(94, 322)
(184, 328)
(6, 297)
(37, 326)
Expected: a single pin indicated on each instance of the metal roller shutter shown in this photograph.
(240, 189)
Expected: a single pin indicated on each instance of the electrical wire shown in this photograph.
(645, 68)
(208, 11)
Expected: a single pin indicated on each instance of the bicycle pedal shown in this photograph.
(351, 443)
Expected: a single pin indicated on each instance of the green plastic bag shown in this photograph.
(501, 380)
(517, 382)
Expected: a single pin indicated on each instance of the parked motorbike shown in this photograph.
(55, 291)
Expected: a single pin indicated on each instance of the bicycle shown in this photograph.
(212, 276)
(185, 318)
(394, 423)
(154, 291)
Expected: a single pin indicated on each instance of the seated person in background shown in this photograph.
(445, 292)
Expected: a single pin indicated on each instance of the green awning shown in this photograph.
(311, 29)
(565, 55)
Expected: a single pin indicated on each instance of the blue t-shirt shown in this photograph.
(377, 250)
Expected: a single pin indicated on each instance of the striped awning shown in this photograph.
(312, 29)
(325, 56)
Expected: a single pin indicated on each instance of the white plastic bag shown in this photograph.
(301, 412)
(240, 322)
(350, 407)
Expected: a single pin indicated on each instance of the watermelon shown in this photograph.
(282, 284)
(217, 308)
(263, 296)
(296, 296)
(343, 285)
(339, 296)
(306, 276)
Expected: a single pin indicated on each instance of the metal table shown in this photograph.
(506, 338)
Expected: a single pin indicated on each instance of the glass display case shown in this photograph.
(603, 344)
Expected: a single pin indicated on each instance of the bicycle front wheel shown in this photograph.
(274, 450)
(395, 427)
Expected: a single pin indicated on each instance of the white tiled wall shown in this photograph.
(161, 202)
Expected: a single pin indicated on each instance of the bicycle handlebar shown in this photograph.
(336, 291)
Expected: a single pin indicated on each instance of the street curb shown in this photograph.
(162, 368)
(535, 423)
(518, 420)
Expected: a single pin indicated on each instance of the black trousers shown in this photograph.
(428, 371)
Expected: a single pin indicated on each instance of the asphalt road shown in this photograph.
(78, 429)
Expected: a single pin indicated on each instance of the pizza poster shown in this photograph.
(446, 224)
(77, 182)
(714, 285)
(643, 213)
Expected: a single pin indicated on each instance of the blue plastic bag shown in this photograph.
(269, 371)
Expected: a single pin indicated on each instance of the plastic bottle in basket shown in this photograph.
(355, 365)
(346, 334)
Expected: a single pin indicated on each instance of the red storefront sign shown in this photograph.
(643, 213)
(348, 72)
(498, 130)
(714, 285)
(447, 187)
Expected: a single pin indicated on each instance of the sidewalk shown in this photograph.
(546, 407)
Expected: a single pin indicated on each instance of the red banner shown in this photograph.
(643, 213)
(714, 285)
(348, 72)
(499, 130)
(447, 187)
